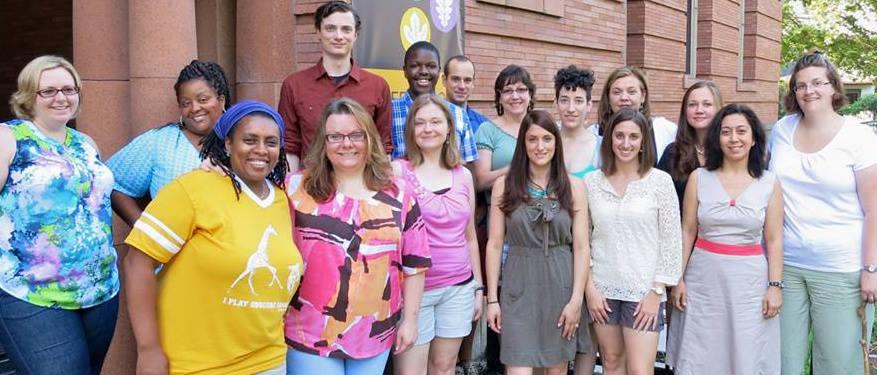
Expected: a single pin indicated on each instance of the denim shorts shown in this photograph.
(622, 314)
(446, 312)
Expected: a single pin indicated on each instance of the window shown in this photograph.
(747, 40)
(691, 40)
(549, 7)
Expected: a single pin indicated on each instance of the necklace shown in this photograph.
(699, 149)
(265, 191)
(536, 191)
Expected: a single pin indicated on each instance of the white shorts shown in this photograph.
(446, 312)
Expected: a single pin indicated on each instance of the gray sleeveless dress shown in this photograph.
(537, 284)
(722, 330)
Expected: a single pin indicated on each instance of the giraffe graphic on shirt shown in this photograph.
(259, 259)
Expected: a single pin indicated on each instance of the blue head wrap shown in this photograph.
(242, 109)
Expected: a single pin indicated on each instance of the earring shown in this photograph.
(182, 124)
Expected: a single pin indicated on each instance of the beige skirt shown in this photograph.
(722, 330)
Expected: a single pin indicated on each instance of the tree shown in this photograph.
(845, 30)
(867, 103)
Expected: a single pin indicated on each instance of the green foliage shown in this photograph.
(781, 92)
(839, 28)
(867, 103)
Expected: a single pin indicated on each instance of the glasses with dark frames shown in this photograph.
(355, 137)
(51, 91)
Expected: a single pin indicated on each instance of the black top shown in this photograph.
(665, 164)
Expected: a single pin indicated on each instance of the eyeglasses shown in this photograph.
(355, 137)
(521, 91)
(803, 86)
(51, 92)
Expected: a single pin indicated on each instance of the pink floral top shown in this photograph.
(356, 253)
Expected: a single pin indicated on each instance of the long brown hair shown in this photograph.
(319, 180)
(450, 154)
(518, 177)
(647, 154)
(604, 109)
(683, 154)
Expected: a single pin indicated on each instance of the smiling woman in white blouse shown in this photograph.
(827, 165)
(636, 245)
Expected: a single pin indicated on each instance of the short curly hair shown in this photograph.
(571, 78)
(22, 101)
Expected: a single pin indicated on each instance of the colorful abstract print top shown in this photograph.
(356, 254)
(56, 244)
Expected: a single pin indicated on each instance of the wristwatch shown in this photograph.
(659, 290)
(871, 268)
(777, 283)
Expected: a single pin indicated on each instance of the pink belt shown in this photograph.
(720, 248)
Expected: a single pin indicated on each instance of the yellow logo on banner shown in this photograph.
(414, 27)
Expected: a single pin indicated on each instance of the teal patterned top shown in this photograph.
(56, 242)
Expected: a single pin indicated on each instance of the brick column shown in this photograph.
(100, 52)
(656, 43)
(264, 55)
(162, 40)
(216, 35)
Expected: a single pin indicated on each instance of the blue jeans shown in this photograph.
(46, 341)
(304, 363)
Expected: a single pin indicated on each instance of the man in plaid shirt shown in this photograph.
(422, 66)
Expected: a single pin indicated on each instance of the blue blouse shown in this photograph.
(152, 160)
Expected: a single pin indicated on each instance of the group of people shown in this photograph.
(322, 237)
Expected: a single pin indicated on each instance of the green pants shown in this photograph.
(827, 303)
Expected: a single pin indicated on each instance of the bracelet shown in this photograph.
(492, 302)
(480, 289)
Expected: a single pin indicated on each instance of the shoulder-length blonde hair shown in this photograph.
(22, 101)
(604, 109)
(319, 180)
(450, 154)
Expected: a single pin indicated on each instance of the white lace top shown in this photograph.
(636, 238)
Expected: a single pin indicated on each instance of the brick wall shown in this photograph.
(498, 35)
(29, 29)
(598, 35)
(719, 49)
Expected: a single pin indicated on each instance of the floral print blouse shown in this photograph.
(56, 243)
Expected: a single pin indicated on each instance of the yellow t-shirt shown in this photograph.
(231, 268)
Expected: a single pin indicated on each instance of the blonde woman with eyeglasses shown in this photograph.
(60, 283)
